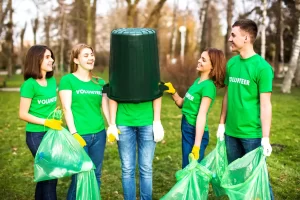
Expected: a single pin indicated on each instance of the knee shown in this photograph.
(146, 170)
(128, 171)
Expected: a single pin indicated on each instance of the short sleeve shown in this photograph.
(265, 80)
(209, 91)
(65, 84)
(27, 89)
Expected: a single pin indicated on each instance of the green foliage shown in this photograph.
(16, 163)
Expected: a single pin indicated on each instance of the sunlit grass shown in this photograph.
(16, 163)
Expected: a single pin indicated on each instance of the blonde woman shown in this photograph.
(82, 100)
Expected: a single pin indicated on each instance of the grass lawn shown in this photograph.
(16, 163)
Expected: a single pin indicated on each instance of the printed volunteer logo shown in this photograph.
(47, 101)
(239, 80)
(89, 92)
(189, 96)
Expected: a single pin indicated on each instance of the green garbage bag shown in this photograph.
(216, 162)
(247, 177)
(193, 183)
(87, 186)
(60, 155)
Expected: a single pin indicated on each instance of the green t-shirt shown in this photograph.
(193, 97)
(86, 103)
(135, 114)
(246, 79)
(43, 101)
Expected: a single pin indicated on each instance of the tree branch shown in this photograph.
(155, 15)
(245, 15)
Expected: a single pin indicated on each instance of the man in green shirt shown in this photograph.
(246, 108)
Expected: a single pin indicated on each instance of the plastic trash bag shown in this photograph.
(87, 186)
(216, 162)
(193, 183)
(60, 155)
(247, 177)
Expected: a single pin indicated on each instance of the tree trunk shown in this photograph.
(297, 74)
(208, 28)
(89, 23)
(62, 38)
(202, 15)
(263, 29)
(3, 14)
(35, 26)
(94, 25)
(132, 13)
(278, 39)
(230, 5)
(288, 78)
(282, 47)
(152, 21)
(174, 30)
(1, 9)
(79, 19)
(10, 40)
(47, 24)
(22, 46)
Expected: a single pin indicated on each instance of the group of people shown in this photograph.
(245, 119)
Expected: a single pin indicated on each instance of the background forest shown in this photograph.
(184, 29)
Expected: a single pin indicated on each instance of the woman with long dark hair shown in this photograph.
(38, 101)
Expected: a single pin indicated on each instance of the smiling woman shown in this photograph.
(82, 99)
(197, 102)
(38, 100)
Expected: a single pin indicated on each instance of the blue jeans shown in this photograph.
(142, 138)
(238, 147)
(95, 145)
(188, 139)
(44, 190)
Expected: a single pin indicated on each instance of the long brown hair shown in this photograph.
(218, 62)
(33, 61)
(74, 54)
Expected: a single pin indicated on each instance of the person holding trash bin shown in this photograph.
(82, 98)
(246, 109)
(135, 104)
(197, 102)
(38, 101)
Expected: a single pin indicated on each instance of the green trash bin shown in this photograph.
(134, 65)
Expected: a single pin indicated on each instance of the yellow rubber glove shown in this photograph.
(171, 89)
(195, 152)
(112, 133)
(79, 139)
(53, 124)
(111, 138)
